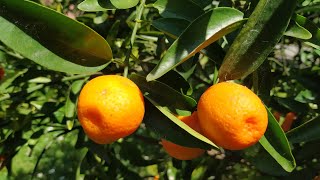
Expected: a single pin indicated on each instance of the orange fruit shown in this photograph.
(182, 152)
(290, 117)
(110, 107)
(2, 73)
(232, 116)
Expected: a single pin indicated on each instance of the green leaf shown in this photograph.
(171, 26)
(309, 8)
(8, 81)
(172, 79)
(164, 95)
(169, 127)
(276, 144)
(205, 30)
(257, 39)
(179, 9)
(308, 131)
(52, 39)
(70, 106)
(124, 4)
(95, 5)
(311, 27)
(175, 27)
(103, 5)
(202, 3)
(297, 31)
(293, 105)
(162, 121)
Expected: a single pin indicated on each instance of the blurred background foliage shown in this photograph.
(40, 137)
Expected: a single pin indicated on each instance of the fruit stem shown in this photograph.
(137, 21)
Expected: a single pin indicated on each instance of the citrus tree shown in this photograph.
(159, 89)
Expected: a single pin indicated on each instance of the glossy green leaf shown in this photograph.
(179, 9)
(205, 30)
(311, 27)
(103, 5)
(164, 95)
(308, 131)
(257, 39)
(169, 127)
(52, 39)
(276, 144)
(297, 31)
(262, 160)
(175, 27)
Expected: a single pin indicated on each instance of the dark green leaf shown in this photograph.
(311, 27)
(202, 3)
(179, 9)
(276, 144)
(171, 26)
(164, 95)
(293, 105)
(175, 27)
(308, 131)
(52, 39)
(205, 30)
(257, 39)
(169, 127)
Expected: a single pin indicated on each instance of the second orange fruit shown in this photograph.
(182, 152)
(110, 107)
(232, 116)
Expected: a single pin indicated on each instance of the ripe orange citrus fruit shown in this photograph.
(110, 107)
(232, 116)
(182, 152)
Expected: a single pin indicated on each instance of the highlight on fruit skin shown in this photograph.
(232, 116)
(182, 152)
(110, 107)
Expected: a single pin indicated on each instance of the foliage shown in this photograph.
(173, 50)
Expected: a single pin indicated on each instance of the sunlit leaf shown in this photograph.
(311, 27)
(276, 144)
(297, 31)
(208, 28)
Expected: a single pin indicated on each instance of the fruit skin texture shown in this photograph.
(182, 152)
(110, 107)
(232, 116)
